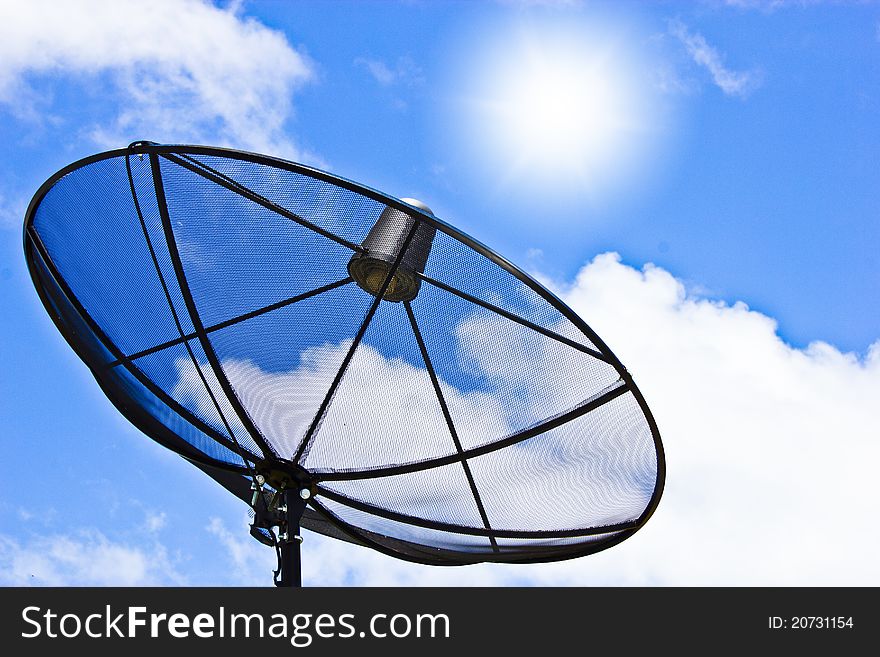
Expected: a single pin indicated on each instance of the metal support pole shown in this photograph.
(290, 540)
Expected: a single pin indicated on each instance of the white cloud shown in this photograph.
(378, 69)
(329, 562)
(666, 79)
(251, 562)
(86, 558)
(155, 522)
(542, 3)
(767, 445)
(772, 5)
(11, 212)
(182, 70)
(403, 72)
(732, 83)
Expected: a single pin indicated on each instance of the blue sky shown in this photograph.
(730, 160)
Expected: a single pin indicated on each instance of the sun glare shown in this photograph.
(563, 108)
(560, 113)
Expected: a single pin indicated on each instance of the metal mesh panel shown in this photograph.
(138, 394)
(125, 384)
(339, 211)
(155, 239)
(212, 295)
(469, 272)
(239, 256)
(174, 372)
(282, 363)
(391, 528)
(90, 348)
(441, 494)
(507, 376)
(184, 380)
(599, 469)
(385, 399)
(92, 234)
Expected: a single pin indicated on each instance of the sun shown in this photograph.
(561, 108)
(559, 113)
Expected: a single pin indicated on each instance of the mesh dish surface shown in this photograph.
(209, 292)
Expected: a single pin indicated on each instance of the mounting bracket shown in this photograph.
(289, 539)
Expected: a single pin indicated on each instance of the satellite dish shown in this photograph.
(342, 360)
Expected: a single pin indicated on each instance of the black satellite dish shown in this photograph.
(342, 360)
